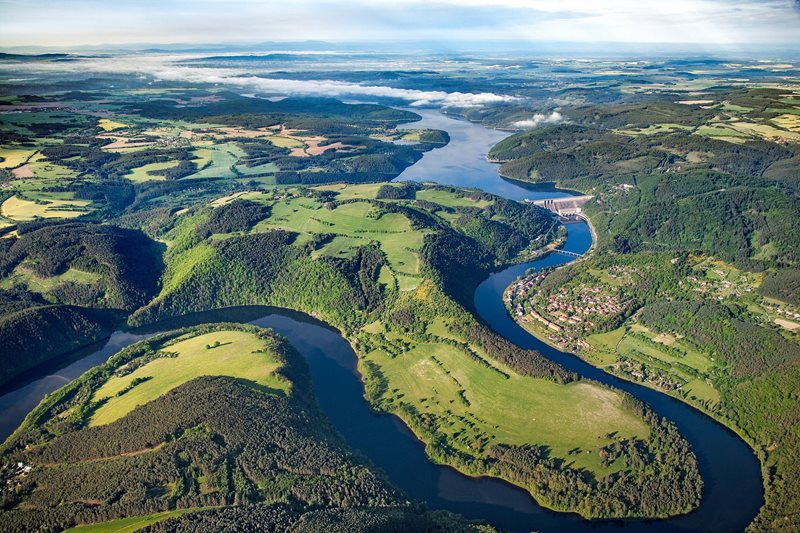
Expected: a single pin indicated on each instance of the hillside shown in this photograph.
(396, 276)
(693, 289)
(33, 332)
(693, 327)
(174, 446)
(667, 180)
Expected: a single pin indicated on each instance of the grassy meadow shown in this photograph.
(236, 354)
(479, 406)
(128, 525)
(354, 224)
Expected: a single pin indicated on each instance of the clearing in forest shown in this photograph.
(237, 354)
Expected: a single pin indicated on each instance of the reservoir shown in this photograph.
(733, 488)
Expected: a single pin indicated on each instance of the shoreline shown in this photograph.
(538, 335)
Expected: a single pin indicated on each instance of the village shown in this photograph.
(568, 315)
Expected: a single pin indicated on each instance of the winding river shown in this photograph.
(733, 491)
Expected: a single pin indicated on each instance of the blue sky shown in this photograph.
(78, 22)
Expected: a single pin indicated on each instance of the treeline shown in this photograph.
(573, 155)
(127, 261)
(239, 215)
(282, 517)
(749, 349)
(404, 191)
(782, 285)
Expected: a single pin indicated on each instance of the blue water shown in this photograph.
(732, 493)
(463, 163)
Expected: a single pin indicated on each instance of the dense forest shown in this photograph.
(67, 286)
(674, 190)
(34, 332)
(279, 517)
(266, 266)
(186, 449)
(126, 262)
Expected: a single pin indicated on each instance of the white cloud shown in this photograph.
(538, 119)
(167, 68)
(336, 89)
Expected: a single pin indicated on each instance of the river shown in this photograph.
(733, 491)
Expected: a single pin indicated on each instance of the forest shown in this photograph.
(698, 329)
(670, 190)
(262, 262)
(189, 450)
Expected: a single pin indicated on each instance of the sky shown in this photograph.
(65, 23)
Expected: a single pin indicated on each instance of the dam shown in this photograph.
(569, 208)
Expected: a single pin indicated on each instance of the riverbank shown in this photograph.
(391, 446)
(586, 353)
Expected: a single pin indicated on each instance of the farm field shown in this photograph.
(12, 157)
(18, 209)
(222, 353)
(479, 406)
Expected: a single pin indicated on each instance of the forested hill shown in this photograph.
(694, 286)
(91, 265)
(394, 267)
(665, 179)
(185, 447)
(64, 286)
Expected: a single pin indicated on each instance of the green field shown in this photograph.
(141, 174)
(359, 223)
(719, 131)
(605, 344)
(654, 129)
(269, 168)
(24, 276)
(518, 410)
(285, 142)
(701, 391)
(239, 354)
(347, 191)
(50, 171)
(223, 158)
(631, 345)
(450, 199)
(128, 525)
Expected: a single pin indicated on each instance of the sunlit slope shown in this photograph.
(235, 354)
(394, 268)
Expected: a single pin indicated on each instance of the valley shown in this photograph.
(164, 217)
